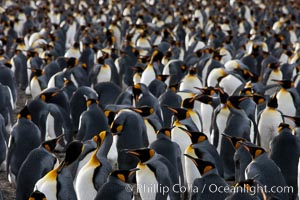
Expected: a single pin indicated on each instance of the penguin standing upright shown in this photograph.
(155, 169)
(58, 183)
(288, 99)
(209, 177)
(238, 125)
(151, 121)
(116, 186)
(129, 131)
(3, 143)
(190, 81)
(94, 173)
(241, 157)
(285, 152)
(92, 121)
(265, 171)
(268, 122)
(25, 136)
(40, 161)
(165, 146)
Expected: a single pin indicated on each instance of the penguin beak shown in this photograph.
(59, 138)
(226, 136)
(132, 153)
(192, 158)
(173, 110)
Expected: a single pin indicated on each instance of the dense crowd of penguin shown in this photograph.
(179, 99)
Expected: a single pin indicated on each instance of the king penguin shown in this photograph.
(165, 146)
(241, 157)
(265, 171)
(3, 143)
(285, 152)
(155, 170)
(288, 99)
(25, 136)
(58, 183)
(94, 173)
(116, 187)
(238, 125)
(129, 131)
(92, 121)
(40, 161)
(37, 195)
(268, 122)
(209, 177)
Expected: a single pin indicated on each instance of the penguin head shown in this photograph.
(144, 154)
(123, 174)
(165, 131)
(207, 99)
(138, 89)
(286, 84)
(73, 151)
(24, 113)
(90, 101)
(234, 101)
(203, 166)
(50, 145)
(192, 71)
(196, 137)
(273, 102)
(162, 77)
(246, 91)
(258, 99)
(180, 113)
(188, 103)
(110, 116)
(274, 66)
(72, 62)
(99, 139)
(144, 111)
(222, 94)
(37, 195)
(235, 141)
(207, 90)
(283, 126)
(46, 96)
(37, 72)
(117, 126)
(254, 150)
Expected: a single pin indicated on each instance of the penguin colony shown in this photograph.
(179, 99)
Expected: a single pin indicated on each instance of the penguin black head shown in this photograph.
(180, 113)
(235, 141)
(254, 150)
(73, 151)
(144, 154)
(24, 113)
(274, 65)
(123, 174)
(286, 84)
(273, 102)
(258, 99)
(196, 137)
(246, 91)
(72, 62)
(137, 90)
(207, 90)
(50, 145)
(207, 99)
(90, 101)
(37, 195)
(248, 185)
(47, 96)
(222, 94)
(162, 77)
(282, 126)
(144, 111)
(110, 116)
(188, 103)
(203, 166)
(99, 139)
(37, 72)
(234, 101)
(192, 70)
(165, 131)
(116, 128)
